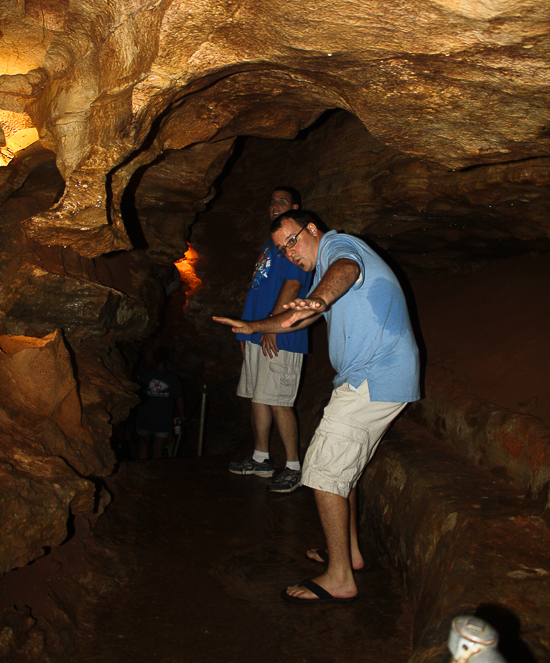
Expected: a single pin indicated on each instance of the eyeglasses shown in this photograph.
(279, 201)
(292, 241)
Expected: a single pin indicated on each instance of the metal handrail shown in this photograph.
(204, 392)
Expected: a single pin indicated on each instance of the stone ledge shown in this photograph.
(510, 444)
(466, 542)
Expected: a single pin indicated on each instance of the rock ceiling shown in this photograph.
(113, 87)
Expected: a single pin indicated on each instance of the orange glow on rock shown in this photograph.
(186, 267)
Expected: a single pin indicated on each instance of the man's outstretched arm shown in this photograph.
(338, 279)
(273, 325)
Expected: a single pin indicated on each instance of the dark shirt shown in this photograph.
(160, 389)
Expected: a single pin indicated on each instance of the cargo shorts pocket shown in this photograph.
(284, 379)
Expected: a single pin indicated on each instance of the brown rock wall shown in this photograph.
(36, 499)
(508, 443)
(46, 448)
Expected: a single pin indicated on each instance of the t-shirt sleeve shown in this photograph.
(340, 247)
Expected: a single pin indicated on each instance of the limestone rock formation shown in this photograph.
(111, 87)
(47, 448)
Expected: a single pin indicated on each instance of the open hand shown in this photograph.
(237, 326)
(269, 345)
(304, 308)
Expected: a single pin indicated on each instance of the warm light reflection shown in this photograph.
(186, 267)
(18, 133)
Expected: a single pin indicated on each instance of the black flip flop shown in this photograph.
(322, 595)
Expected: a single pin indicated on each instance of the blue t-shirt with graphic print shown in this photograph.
(369, 331)
(269, 275)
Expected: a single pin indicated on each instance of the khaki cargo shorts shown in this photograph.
(270, 381)
(346, 439)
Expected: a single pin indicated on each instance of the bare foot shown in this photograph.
(318, 555)
(321, 555)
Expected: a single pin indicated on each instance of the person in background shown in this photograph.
(271, 368)
(163, 396)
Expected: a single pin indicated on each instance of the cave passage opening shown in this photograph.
(425, 225)
(227, 236)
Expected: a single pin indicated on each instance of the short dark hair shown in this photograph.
(295, 196)
(301, 217)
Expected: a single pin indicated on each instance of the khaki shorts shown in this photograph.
(270, 381)
(346, 439)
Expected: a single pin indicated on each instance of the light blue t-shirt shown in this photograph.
(369, 331)
(270, 273)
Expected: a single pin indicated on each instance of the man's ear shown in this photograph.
(295, 206)
(312, 228)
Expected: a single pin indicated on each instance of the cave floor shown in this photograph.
(209, 553)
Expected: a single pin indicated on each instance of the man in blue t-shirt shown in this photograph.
(271, 364)
(374, 352)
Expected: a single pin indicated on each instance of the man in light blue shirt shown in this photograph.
(373, 350)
